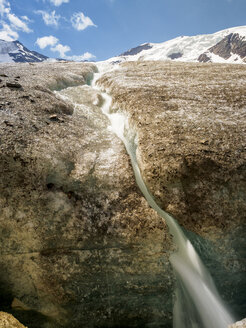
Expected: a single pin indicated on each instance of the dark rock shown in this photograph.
(231, 44)
(175, 55)
(203, 58)
(14, 85)
(8, 123)
(136, 50)
(116, 62)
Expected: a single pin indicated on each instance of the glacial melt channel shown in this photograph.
(197, 303)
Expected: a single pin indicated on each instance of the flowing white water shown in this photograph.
(198, 304)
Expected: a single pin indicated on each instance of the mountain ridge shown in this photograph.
(225, 46)
(15, 51)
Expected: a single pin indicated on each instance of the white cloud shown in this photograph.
(85, 56)
(52, 42)
(18, 24)
(61, 49)
(26, 18)
(58, 2)
(49, 18)
(64, 49)
(4, 7)
(80, 22)
(46, 41)
(7, 33)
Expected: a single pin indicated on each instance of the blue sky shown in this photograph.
(100, 29)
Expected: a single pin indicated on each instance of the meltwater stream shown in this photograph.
(197, 304)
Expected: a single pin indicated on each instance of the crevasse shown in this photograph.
(197, 302)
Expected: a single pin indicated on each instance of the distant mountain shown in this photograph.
(14, 51)
(226, 46)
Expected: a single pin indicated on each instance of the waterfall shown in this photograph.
(197, 304)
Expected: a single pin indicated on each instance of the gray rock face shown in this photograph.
(231, 44)
(79, 245)
(175, 55)
(136, 50)
(204, 58)
(190, 120)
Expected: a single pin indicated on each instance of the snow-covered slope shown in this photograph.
(14, 51)
(226, 46)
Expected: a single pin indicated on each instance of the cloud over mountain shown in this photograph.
(53, 42)
(46, 41)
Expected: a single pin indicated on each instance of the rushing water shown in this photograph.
(197, 304)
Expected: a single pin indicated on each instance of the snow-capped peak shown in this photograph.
(194, 48)
(14, 51)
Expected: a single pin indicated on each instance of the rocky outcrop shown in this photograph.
(80, 247)
(190, 121)
(175, 55)
(136, 50)
(8, 321)
(232, 44)
(204, 58)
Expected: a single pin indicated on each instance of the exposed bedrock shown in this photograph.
(80, 247)
(232, 44)
(191, 125)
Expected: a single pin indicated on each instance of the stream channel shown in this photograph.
(197, 302)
